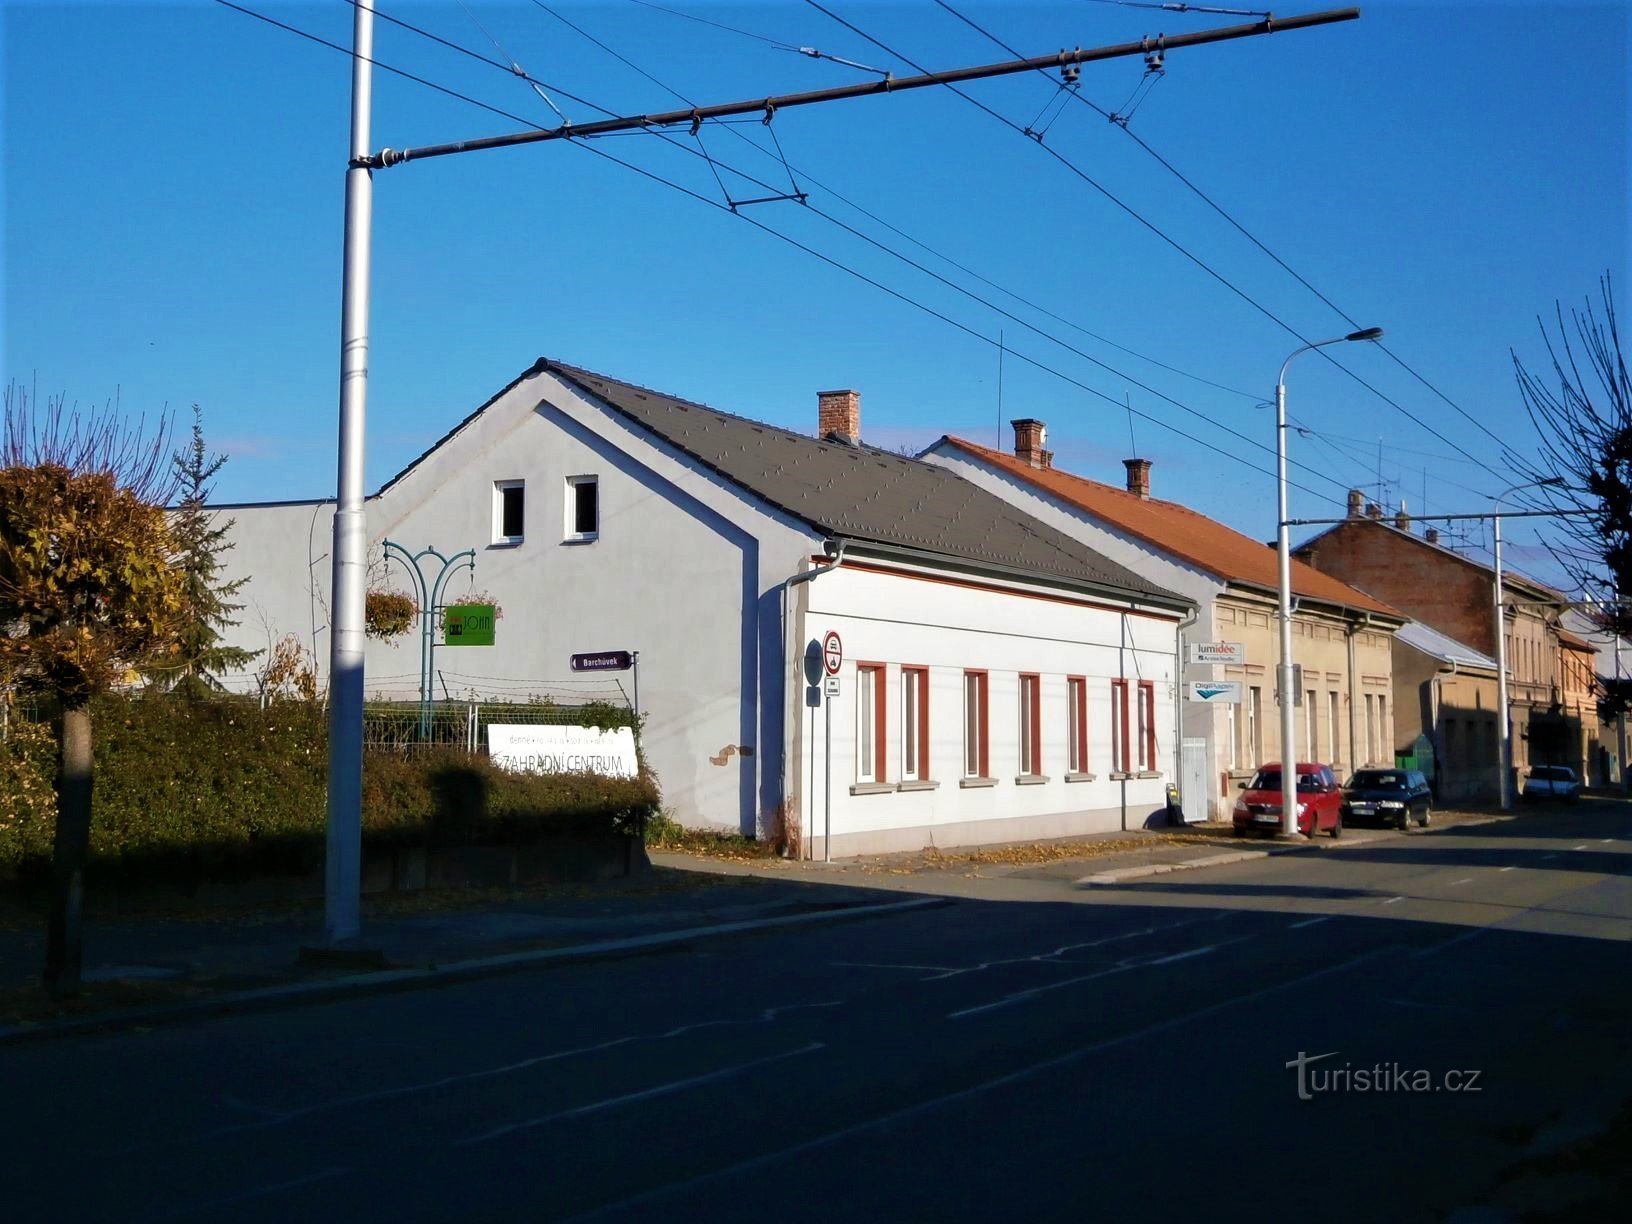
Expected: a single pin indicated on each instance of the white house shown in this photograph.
(999, 681)
(1341, 635)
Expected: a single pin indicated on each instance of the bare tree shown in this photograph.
(89, 592)
(1580, 403)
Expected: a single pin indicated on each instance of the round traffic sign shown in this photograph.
(832, 652)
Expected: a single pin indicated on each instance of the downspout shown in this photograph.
(1354, 691)
(1178, 702)
(793, 660)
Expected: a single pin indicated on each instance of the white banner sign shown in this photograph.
(1218, 652)
(563, 749)
(1218, 692)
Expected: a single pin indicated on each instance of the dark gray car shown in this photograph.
(1388, 796)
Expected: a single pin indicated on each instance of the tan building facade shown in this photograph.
(1551, 689)
(1340, 635)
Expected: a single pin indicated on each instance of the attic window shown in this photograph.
(583, 518)
(509, 511)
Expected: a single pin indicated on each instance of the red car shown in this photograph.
(1320, 801)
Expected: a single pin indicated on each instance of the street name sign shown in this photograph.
(1216, 692)
(603, 660)
(1218, 652)
(468, 625)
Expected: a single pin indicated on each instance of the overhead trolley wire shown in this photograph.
(900, 296)
(1219, 208)
(910, 262)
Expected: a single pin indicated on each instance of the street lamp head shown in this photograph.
(1369, 333)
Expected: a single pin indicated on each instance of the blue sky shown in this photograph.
(173, 190)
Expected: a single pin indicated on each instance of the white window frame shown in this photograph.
(569, 521)
(1076, 719)
(869, 724)
(499, 487)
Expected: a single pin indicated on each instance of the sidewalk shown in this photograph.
(142, 970)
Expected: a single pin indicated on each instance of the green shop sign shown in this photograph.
(468, 625)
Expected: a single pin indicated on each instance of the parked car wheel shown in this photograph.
(1405, 820)
(1337, 827)
(1427, 815)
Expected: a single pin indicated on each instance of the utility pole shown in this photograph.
(343, 862)
(343, 866)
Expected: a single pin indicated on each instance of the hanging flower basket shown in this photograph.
(388, 614)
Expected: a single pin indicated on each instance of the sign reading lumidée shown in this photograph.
(1218, 652)
(563, 749)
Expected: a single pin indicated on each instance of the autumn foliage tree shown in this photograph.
(89, 593)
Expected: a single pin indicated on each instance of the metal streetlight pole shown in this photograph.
(1504, 734)
(342, 866)
(1283, 544)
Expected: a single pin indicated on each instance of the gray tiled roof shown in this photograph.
(1436, 644)
(861, 492)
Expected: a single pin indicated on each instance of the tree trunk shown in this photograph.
(69, 852)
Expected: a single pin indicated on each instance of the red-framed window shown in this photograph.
(976, 746)
(1147, 725)
(1076, 724)
(870, 724)
(914, 724)
(1120, 750)
(1031, 723)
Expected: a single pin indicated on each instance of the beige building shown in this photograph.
(1341, 636)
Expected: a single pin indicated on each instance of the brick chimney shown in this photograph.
(1138, 476)
(1431, 535)
(1402, 520)
(1030, 436)
(1357, 501)
(838, 414)
(1373, 510)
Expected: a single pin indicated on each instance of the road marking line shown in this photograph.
(645, 1094)
(1391, 900)
(1309, 922)
(1604, 841)
(1510, 867)
(272, 1118)
(1582, 846)
(1463, 880)
(1020, 996)
(901, 1115)
(247, 1195)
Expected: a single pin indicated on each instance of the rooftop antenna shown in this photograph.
(1000, 388)
(1128, 400)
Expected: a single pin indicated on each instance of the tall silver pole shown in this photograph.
(342, 883)
(1283, 549)
(1504, 747)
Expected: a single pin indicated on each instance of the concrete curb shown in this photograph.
(268, 998)
(1119, 875)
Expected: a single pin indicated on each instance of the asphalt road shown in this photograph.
(1062, 1053)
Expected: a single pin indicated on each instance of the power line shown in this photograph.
(1222, 212)
(912, 263)
(1151, 226)
(905, 298)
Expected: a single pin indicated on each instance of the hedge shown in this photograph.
(219, 788)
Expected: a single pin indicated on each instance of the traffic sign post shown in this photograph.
(832, 660)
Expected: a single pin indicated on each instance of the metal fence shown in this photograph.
(409, 727)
